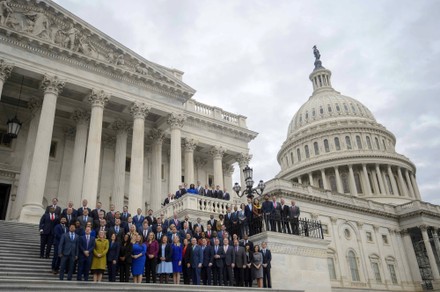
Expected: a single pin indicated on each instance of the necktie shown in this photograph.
(145, 233)
(225, 248)
(236, 249)
(71, 236)
(274, 205)
(117, 229)
(216, 248)
(87, 238)
(85, 219)
(68, 217)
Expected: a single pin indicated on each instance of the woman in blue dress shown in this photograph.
(165, 266)
(138, 258)
(177, 259)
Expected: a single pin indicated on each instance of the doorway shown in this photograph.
(5, 190)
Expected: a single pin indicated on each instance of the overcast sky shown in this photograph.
(254, 58)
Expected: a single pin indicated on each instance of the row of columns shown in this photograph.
(406, 185)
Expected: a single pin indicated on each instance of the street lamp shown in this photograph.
(249, 191)
(14, 124)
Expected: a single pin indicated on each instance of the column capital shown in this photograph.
(156, 135)
(243, 159)
(120, 126)
(139, 110)
(217, 152)
(176, 120)
(52, 84)
(333, 219)
(189, 144)
(5, 69)
(228, 168)
(423, 227)
(98, 98)
(359, 224)
(376, 228)
(200, 162)
(404, 232)
(34, 104)
(81, 117)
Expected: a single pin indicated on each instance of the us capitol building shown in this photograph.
(100, 122)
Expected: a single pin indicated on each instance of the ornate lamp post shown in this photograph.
(250, 190)
(14, 124)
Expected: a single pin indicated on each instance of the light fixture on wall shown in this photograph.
(14, 124)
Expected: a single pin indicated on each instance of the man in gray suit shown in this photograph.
(240, 262)
(68, 251)
(294, 217)
(229, 263)
(84, 218)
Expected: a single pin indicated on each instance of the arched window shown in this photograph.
(298, 154)
(315, 146)
(338, 109)
(384, 144)
(345, 185)
(357, 181)
(345, 107)
(331, 268)
(321, 110)
(326, 146)
(333, 185)
(329, 108)
(306, 150)
(353, 108)
(377, 143)
(369, 143)
(352, 263)
(313, 112)
(359, 142)
(348, 142)
(337, 145)
(291, 157)
(287, 161)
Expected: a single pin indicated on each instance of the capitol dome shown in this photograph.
(334, 143)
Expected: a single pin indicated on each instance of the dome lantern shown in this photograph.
(320, 77)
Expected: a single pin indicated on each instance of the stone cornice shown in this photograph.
(48, 29)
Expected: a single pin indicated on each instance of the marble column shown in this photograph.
(243, 159)
(416, 187)
(66, 167)
(32, 207)
(353, 188)
(217, 153)
(300, 180)
(383, 190)
(228, 171)
(367, 186)
(409, 183)
(98, 99)
(135, 200)
(324, 180)
(375, 182)
(82, 119)
(411, 255)
(402, 184)
(430, 253)
(157, 137)
(107, 172)
(189, 145)
(121, 128)
(34, 106)
(339, 186)
(201, 173)
(393, 181)
(176, 122)
(5, 72)
(311, 179)
(436, 241)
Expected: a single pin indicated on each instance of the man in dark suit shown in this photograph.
(84, 218)
(69, 206)
(185, 231)
(97, 210)
(118, 230)
(159, 233)
(47, 225)
(84, 207)
(235, 226)
(196, 261)
(240, 262)
(228, 219)
(199, 188)
(69, 215)
(217, 263)
(245, 241)
(186, 220)
(97, 221)
(145, 230)
(85, 255)
(267, 258)
(59, 230)
(226, 195)
(138, 219)
(125, 214)
(275, 215)
(151, 219)
(180, 192)
(267, 208)
(294, 217)
(102, 227)
(68, 252)
(249, 215)
(56, 208)
(110, 216)
(229, 263)
(218, 193)
(207, 192)
(213, 222)
(285, 215)
(199, 224)
(208, 254)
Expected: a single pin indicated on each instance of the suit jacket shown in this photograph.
(74, 213)
(248, 212)
(124, 217)
(113, 251)
(294, 212)
(208, 253)
(59, 230)
(57, 210)
(229, 255)
(201, 191)
(218, 262)
(141, 232)
(151, 220)
(138, 221)
(95, 213)
(119, 235)
(110, 218)
(125, 252)
(267, 207)
(199, 225)
(207, 193)
(267, 257)
(196, 256)
(214, 225)
(72, 219)
(228, 221)
(83, 221)
(240, 257)
(168, 253)
(159, 236)
(217, 194)
(83, 245)
(176, 222)
(183, 222)
(81, 210)
(183, 233)
(276, 210)
(251, 245)
(69, 247)
(47, 224)
(285, 211)
(226, 196)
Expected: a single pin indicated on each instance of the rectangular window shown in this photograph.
(376, 271)
(384, 239)
(392, 273)
(53, 149)
(127, 164)
(5, 140)
(210, 180)
(331, 268)
(369, 236)
(162, 172)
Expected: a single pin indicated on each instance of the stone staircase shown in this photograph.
(21, 268)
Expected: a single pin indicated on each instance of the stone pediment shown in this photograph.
(50, 27)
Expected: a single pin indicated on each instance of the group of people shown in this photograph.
(217, 252)
(212, 192)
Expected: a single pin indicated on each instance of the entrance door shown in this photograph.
(4, 200)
